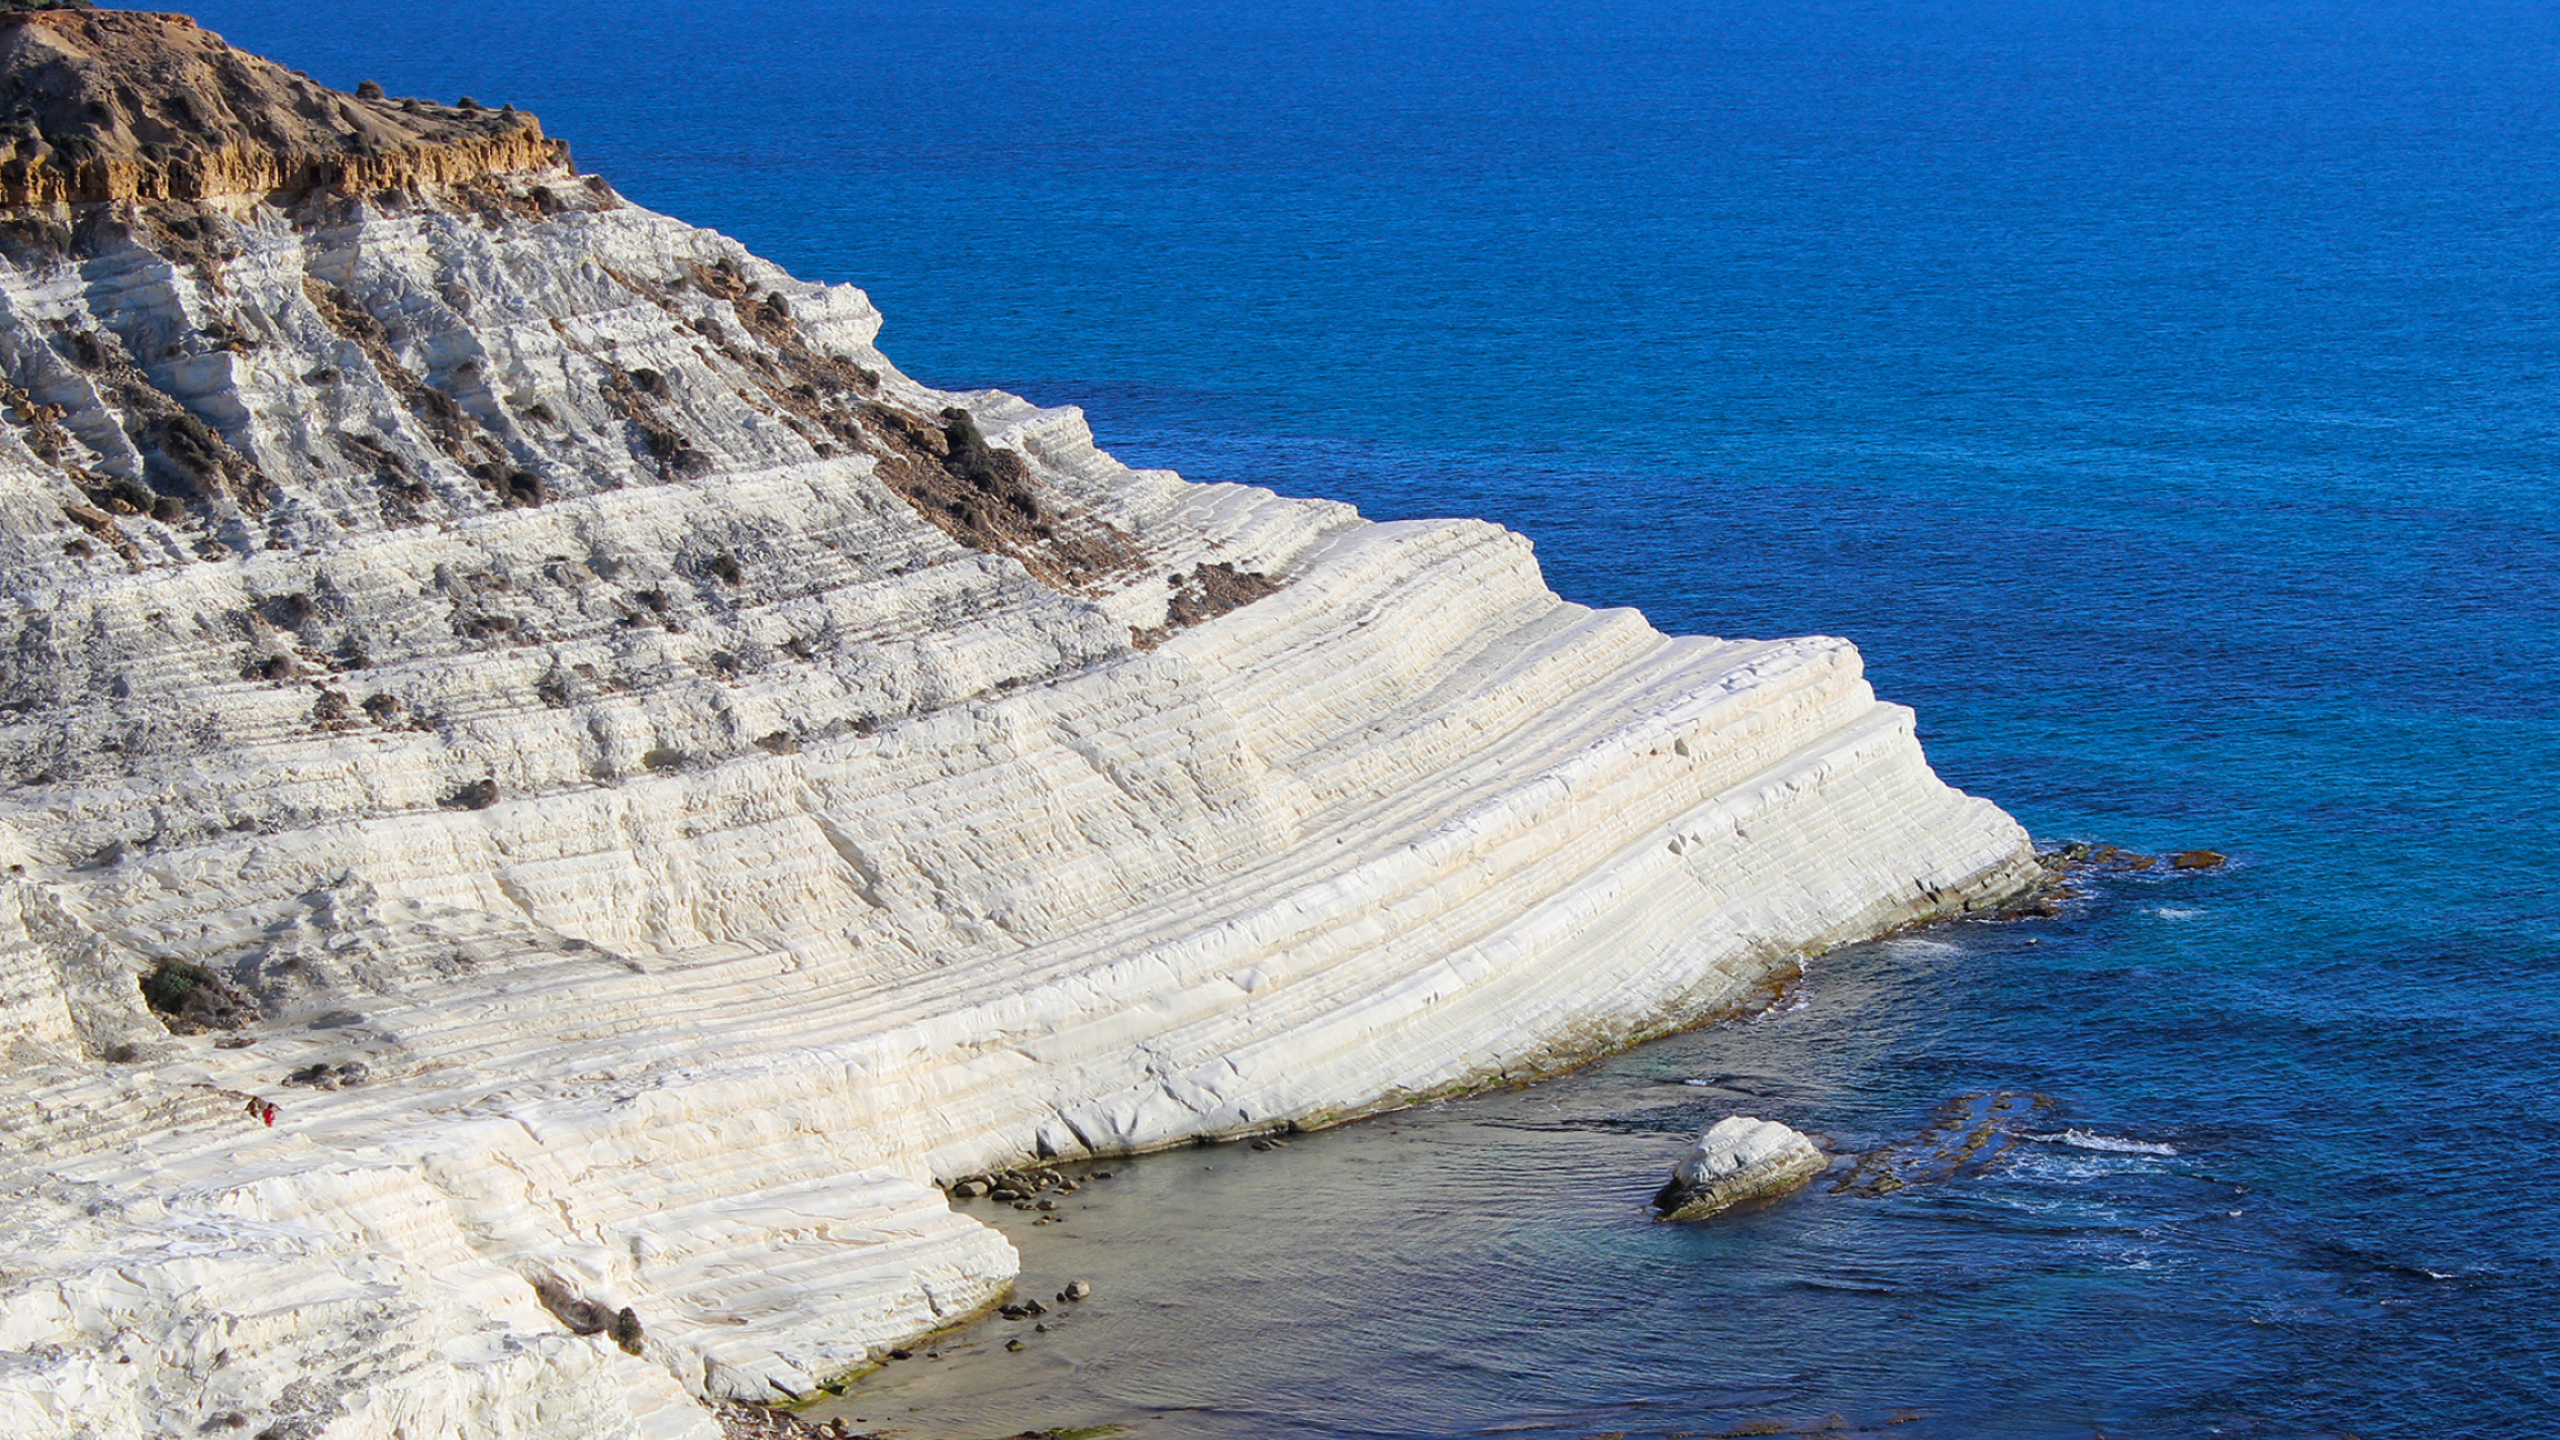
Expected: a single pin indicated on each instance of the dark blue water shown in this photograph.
(2161, 392)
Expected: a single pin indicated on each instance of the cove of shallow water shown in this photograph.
(1489, 1265)
(2161, 394)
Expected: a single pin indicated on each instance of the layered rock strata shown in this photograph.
(1739, 1160)
(649, 788)
(108, 105)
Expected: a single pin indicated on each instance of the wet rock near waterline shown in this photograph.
(1022, 1189)
(740, 1421)
(1739, 1159)
(1967, 1136)
(2065, 865)
(2081, 855)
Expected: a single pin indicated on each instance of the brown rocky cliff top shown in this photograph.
(123, 104)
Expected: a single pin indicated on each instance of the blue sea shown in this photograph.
(2165, 396)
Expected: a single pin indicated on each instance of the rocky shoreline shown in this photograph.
(2067, 866)
(552, 792)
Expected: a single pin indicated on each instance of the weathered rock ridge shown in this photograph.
(106, 105)
(545, 778)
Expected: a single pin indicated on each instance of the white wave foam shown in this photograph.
(2171, 912)
(2112, 1144)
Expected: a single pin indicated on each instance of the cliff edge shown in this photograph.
(105, 105)
(546, 779)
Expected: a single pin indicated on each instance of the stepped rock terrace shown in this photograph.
(547, 779)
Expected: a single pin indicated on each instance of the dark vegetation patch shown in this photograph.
(191, 1000)
(40, 427)
(722, 566)
(984, 497)
(484, 607)
(554, 688)
(188, 233)
(31, 239)
(515, 488)
(635, 396)
(345, 1075)
(450, 426)
(769, 321)
(500, 204)
(581, 1315)
(478, 795)
(1204, 595)
(99, 523)
(289, 611)
(405, 494)
(184, 457)
(987, 499)
(393, 713)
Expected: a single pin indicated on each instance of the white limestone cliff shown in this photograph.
(715, 786)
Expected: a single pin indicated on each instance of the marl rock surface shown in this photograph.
(551, 793)
(1739, 1159)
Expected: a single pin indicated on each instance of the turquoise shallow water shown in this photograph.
(2160, 392)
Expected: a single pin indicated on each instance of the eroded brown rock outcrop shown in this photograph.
(125, 105)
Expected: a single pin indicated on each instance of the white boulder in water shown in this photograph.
(1739, 1159)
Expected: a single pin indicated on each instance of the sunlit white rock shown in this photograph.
(704, 860)
(1739, 1159)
